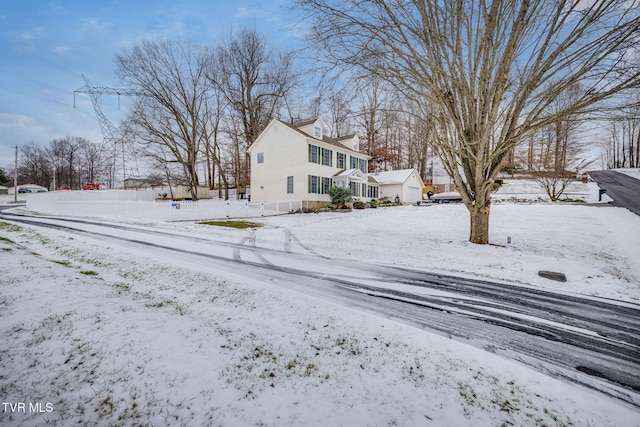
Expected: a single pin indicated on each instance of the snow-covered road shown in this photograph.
(587, 340)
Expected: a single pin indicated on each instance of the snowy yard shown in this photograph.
(98, 334)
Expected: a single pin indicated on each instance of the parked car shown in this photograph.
(24, 190)
(64, 188)
(91, 186)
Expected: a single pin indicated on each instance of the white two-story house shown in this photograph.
(299, 162)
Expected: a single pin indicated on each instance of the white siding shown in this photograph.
(282, 157)
(285, 152)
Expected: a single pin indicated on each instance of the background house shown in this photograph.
(299, 162)
(405, 184)
(437, 179)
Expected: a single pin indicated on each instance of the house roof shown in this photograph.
(340, 138)
(325, 139)
(393, 177)
(349, 172)
(304, 122)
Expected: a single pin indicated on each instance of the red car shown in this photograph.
(91, 186)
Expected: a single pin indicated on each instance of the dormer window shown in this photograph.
(317, 132)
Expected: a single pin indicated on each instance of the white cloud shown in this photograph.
(254, 13)
(25, 40)
(15, 120)
(95, 25)
(61, 49)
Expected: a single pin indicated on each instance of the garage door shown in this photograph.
(414, 194)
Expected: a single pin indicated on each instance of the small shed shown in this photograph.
(404, 184)
(4, 190)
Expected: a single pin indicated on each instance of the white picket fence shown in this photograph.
(141, 206)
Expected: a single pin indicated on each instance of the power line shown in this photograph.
(111, 134)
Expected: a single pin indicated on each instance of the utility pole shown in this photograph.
(15, 179)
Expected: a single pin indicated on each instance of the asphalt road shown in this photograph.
(623, 189)
(591, 341)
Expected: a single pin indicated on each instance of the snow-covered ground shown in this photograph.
(94, 334)
(632, 172)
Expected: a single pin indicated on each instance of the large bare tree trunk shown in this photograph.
(479, 224)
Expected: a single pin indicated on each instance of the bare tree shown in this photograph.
(420, 138)
(172, 112)
(94, 165)
(339, 113)
(490, 69)
(622, 149)
(68, 161)
(33, 165)
(560, 151)
(562, 158)
(254, 81)
(373, 103)
(387, 127)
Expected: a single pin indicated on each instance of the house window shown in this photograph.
(354, 188)
(260, 157)
(362, 165)
(326, 185)
(372, 192)
(342, 159)
(319, 185)
(314, 153)
(353, 162)
(321, 156)
(317, 132)
(289, 185)
(327, 157)
(313, 184)
(363, 189)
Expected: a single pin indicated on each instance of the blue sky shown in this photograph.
(46, 47)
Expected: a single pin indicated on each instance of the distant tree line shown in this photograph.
(65, 162)
(622, 148)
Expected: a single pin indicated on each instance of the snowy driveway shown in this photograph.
(587, 340)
